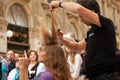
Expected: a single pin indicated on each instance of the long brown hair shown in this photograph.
(55, 61)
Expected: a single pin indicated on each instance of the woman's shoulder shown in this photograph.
(40, 67)
(40, 64)
(46, 76)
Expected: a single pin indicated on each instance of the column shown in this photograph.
(3, 37)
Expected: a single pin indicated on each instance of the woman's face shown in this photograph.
(33, 56)
(42, 55)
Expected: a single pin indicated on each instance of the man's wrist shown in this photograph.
(60, 4)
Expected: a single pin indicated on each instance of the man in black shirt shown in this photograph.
(100, 43)
(11, 60)
(118, 62)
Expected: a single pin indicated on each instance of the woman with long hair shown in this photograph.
(52, 55)
(55, 62)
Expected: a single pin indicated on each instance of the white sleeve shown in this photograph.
(40, 68)
(77, 66)
(11, 75)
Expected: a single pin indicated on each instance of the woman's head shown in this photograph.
(54, 55)
(90, 4)
(32, 55)
(42, 54)
(54, 60)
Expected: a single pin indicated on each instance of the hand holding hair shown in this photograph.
(60, 31)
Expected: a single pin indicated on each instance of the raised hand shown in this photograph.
(53, 5)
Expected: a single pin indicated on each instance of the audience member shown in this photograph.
(74, 59)
(33, 64)
(4, 68)
(16, 56)
(11, 60)
(14, 73)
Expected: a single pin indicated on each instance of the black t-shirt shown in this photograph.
(118, 62)
(11, 66)
(100, 50)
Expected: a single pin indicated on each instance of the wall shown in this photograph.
(38, 15)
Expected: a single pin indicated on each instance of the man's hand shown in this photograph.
(53, 5)
(60, 34)
(25, 54)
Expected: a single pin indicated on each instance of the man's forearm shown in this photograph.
(70, 44)
(70, 6)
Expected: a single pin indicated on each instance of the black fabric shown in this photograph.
(34, 68)
(82, 70)
(109, 76)
(11, 66)
(100, 49)
(40, 74)
(118, 62)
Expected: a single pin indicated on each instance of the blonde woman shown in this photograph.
(74, 59)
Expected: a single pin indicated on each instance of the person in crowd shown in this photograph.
(40, 69)
(100, 43)
(118, 62)
(14, 73)
(11, 60)
(117, 57)
(4, 68)
(34, 65)
(17, 56)
(74, 59)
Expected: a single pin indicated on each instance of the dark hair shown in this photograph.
(90, 4)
